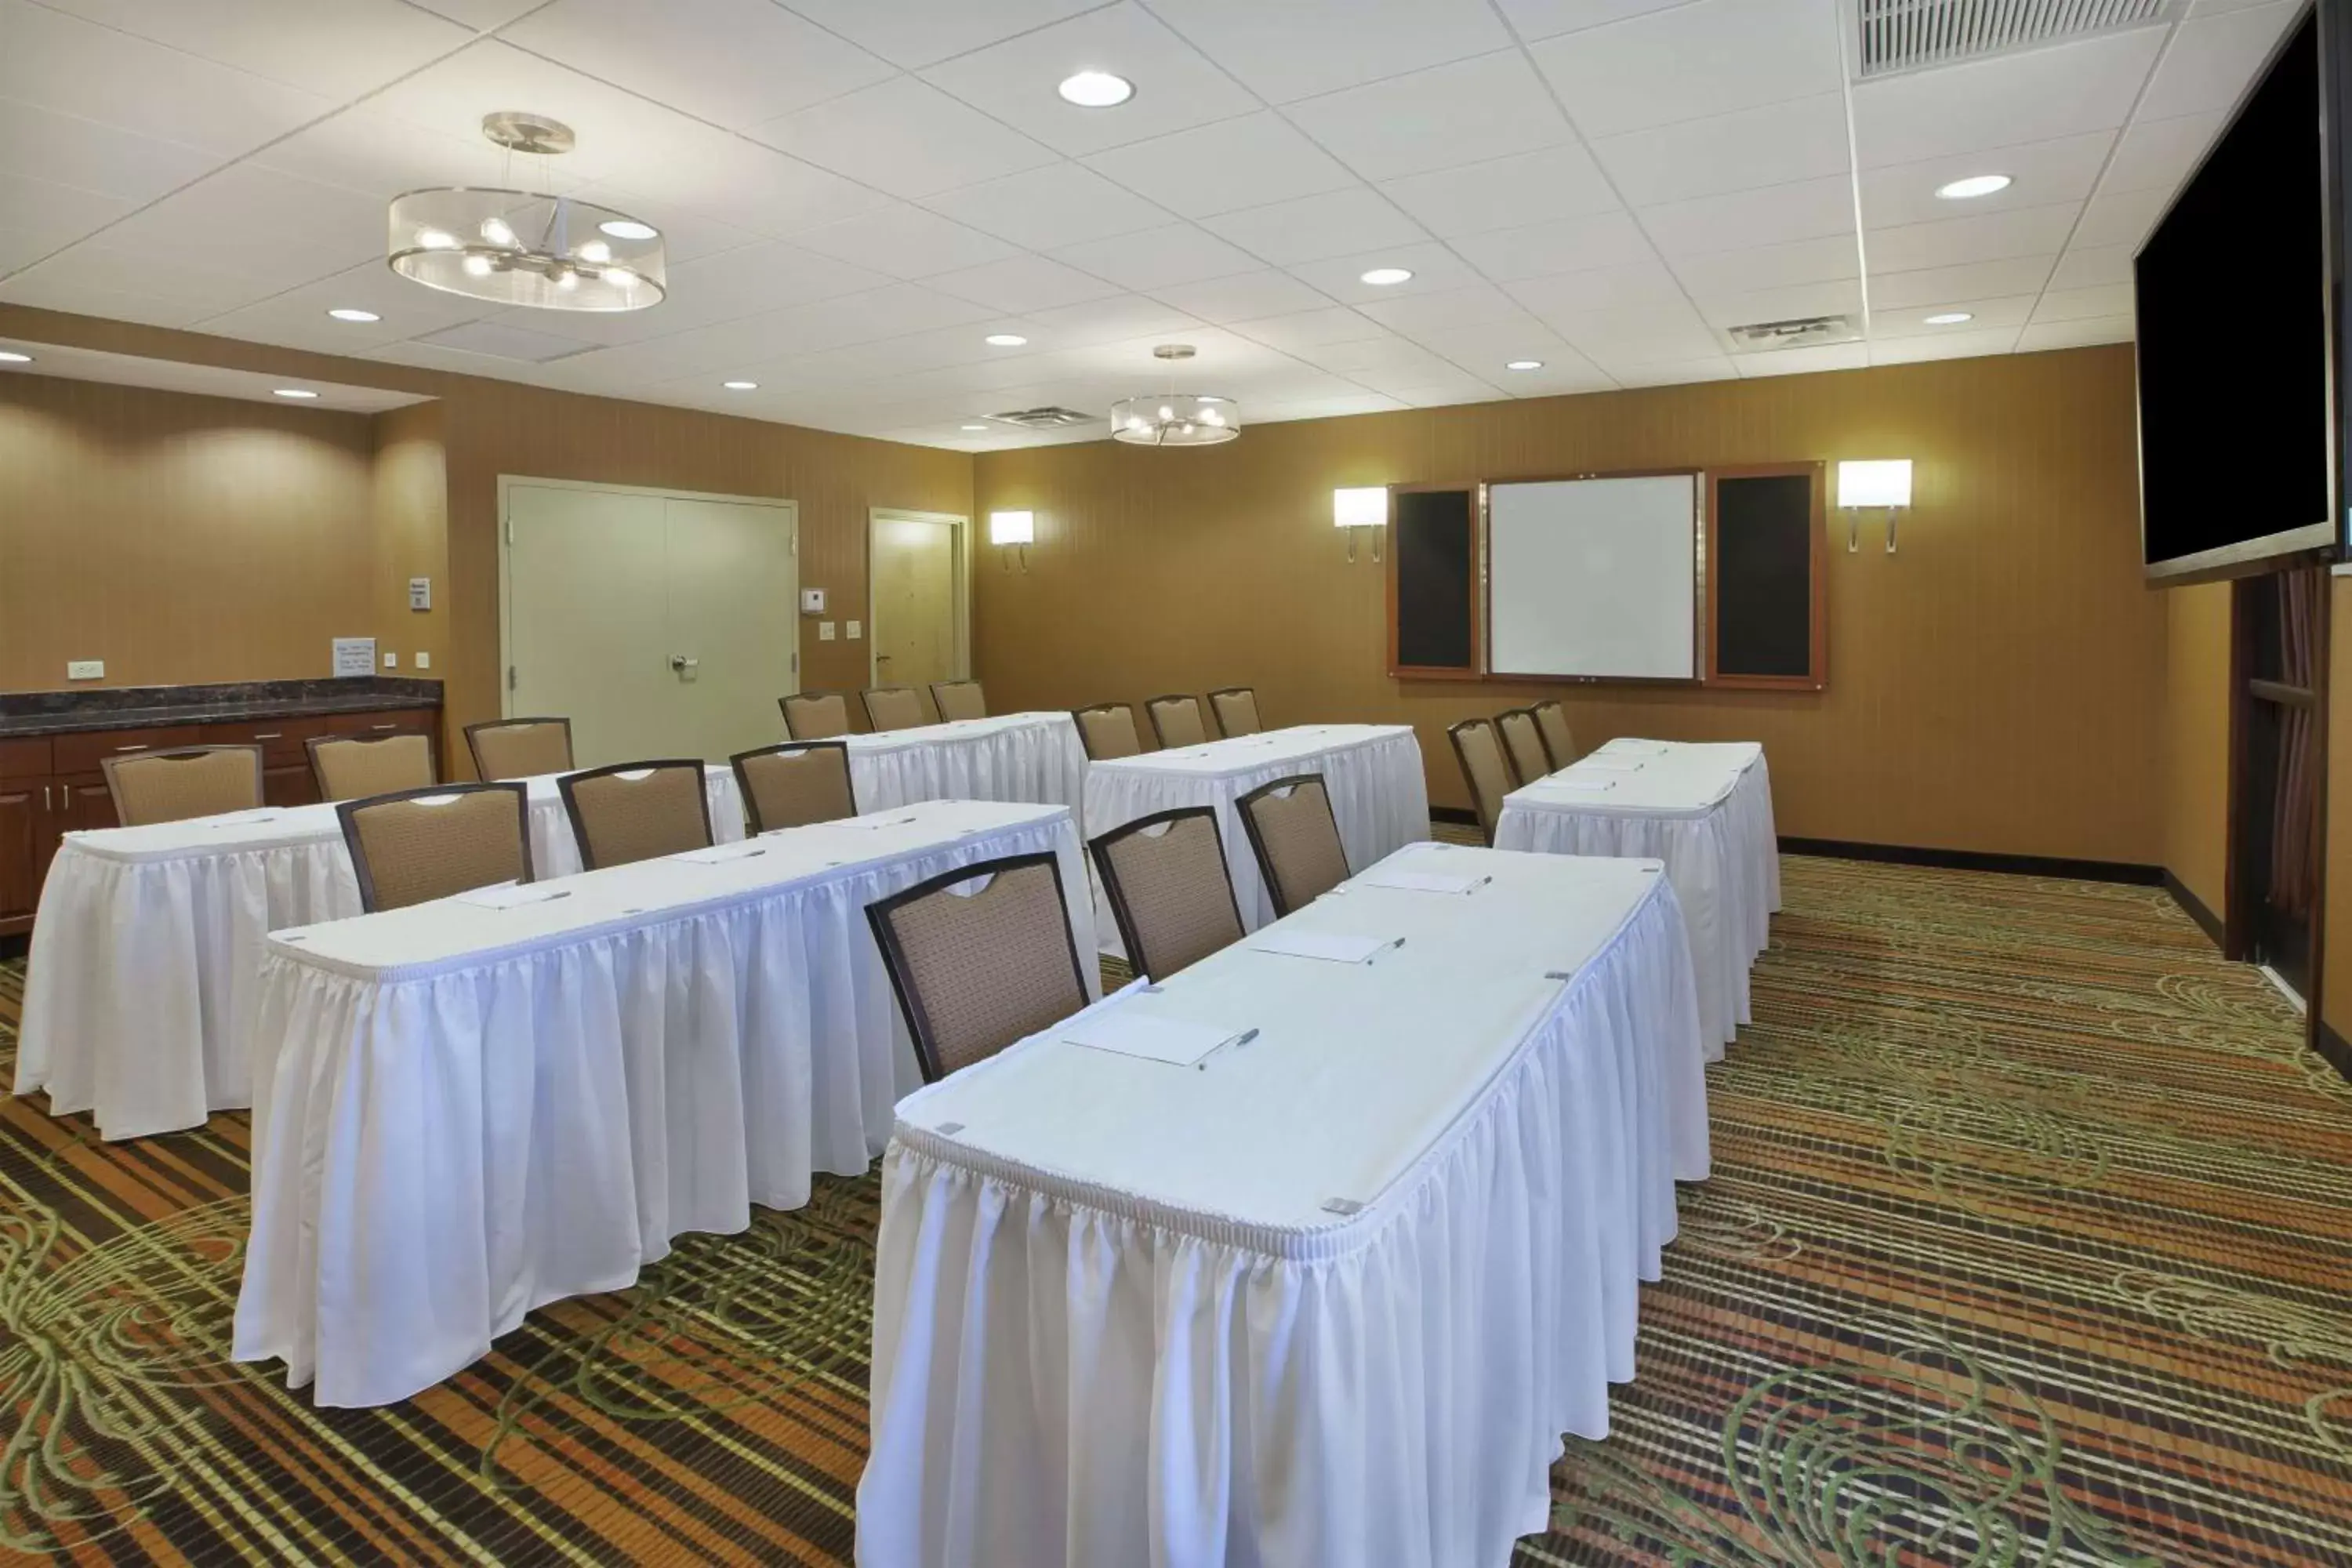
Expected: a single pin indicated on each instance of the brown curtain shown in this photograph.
(2302, 594)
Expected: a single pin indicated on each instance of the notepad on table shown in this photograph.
(1131, 1034)
(1331, 946)
(1421, 881)
(1612, 764)
(870, 823)
(1636, 748)
(1561, 784)
(719, 854)
(512, 895)
(244, 818)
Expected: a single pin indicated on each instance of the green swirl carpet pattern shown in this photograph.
(2029, 1242)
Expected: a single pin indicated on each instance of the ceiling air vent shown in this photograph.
(1808, 332)
(1042, 418)
(1912, 35)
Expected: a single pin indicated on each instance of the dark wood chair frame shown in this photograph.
(1257, 844)
(743, 783)
(1454, 734)
(848, 709)
(571, 782)
(475, 751)
(1102, 707)
(346, 809)
(1219, 718)
(1099, 848)
(1198, 707)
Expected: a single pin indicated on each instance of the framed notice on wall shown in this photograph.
(354, 656)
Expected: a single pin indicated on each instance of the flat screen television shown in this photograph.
(2236, 419)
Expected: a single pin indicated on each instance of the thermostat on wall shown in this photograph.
(812, 601)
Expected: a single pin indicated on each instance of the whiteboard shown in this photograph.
(1596, 578)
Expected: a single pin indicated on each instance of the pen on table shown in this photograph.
(1244, 1039)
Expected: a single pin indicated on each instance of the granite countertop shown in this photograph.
(31, 713)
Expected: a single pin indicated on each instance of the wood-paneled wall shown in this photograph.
(1998, 685)
(178, 538)
(411, 534)
(2336, 871)
(2197, 741)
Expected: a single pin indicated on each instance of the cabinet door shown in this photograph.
(24, 836)
(288, 783)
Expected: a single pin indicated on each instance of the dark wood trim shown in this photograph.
(1476, 668)
(1817, 603)
(2237, 908)
(2321, 639)
(2193, 907)
(2331, 1044)
(1979, 860)
(2283, 695)
(1700, 654)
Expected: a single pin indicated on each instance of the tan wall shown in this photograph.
(2197, 741)
(412, 536)
(1999, 685)
(2336, 886)
(177, 538)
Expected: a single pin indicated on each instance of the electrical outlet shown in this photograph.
(825, 631)
(85, 669)
(855, 631)
(392, 661)
(424, 660)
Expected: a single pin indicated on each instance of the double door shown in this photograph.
(661, 625)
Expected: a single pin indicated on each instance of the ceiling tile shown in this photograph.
(1486, 348)
(1465, 113)
(1244, 296)
(916, 33)
(1153, 260)
(906, 137)
(1776, 145)
(2122, 218)
(1534, 19)
(2075, 334)
(80, 290)
(1311, 227)
(1708, 58)
(1060, 205)
(2088, 266)
(756, 187)
(370, 150)
(1620, 341)
(1415, 316)
(1505, 193)
(503, 340)
(1680, 373)
(335, 48)
(2065, 170)
(736, 62)
(58, 150)
(1984, 315)
(1994, 237)
(1576, 244)
(1771, 265)
(480, 15)
(1803, 361)
(1296, 331)
(732, 284)
(1299, 48)
(1462, 389)
(299, 318)
(258, 223)
(687, 234)
(1024, 283)
(36, 217)
(208, 287)
(1176, 88)
(1243, 163)
(2160, 152)
(906, 241)
(2038, 95)
(1951, 345)
(1810, 209)
(2213, 58)
(1601, 289)
(2084, 304)
(1978, 280)
(1435, 269)
(1392, 358)
(1111, 320)
(1790, 302)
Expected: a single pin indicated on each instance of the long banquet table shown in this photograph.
(1329, 1294)
(1371, 771)
(462, 1112)
(1705, 809)
(1034, 757)
(148, 940)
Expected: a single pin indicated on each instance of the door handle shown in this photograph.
(44, 799)
(137, 748)
(383, 726)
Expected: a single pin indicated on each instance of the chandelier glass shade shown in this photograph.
(1175, 419)
(553, 253)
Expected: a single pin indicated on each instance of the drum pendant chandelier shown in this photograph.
(512, 247)
(1175, 419)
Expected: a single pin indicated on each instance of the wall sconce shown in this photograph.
(1366, 506)
(1006, 529)
(1884, 482)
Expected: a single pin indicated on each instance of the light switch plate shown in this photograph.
(812, 601)
(85, 669)
(856, 629)
(825, 631)
(392, 661)
(423, 661)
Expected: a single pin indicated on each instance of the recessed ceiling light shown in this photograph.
(1096, 90)
(740, 386)
(975, 427)
(10, 356)
(1381, 276)
(296, 392)
(1950, 318)
(1974, 185)
(1005, 339)
(629, 228)
(346, 313)
(1524, 364)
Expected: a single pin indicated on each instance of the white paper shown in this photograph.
(1131, 1034)
(511, 895)
(1636, 748)
(719, 854)
(242, 818)
(1328, 945)
(1557, 785)
(1421, 881)
(870, 823)
(1617, 764)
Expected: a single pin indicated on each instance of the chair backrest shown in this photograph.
(893, 707)
(1559, 741)
(183, 781)
(1295, 838)
(980, 957)
(635, 811)
(1107, 731)
(816, 715)
(350, 766)
(1176, 720)
(1479, 750)
(959, 700)
(1523, 744)
(519, 748)
(1236, 710)
(429, 842)
(1166, 878)
(796, 783)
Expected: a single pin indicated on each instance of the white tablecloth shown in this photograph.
(1372, 773)
(148, 941)
(1329, 1296)
(1705, 809)
(1033, 757)
(461, 1114)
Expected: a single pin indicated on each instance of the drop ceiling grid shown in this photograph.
(1380, 129)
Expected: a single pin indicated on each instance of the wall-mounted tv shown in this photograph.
(2236, 419)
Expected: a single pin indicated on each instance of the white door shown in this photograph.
(660, 625)
(914, 602)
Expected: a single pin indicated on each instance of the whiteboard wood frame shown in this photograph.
(1700, 593)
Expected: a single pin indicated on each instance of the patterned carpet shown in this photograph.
(2029, 1242)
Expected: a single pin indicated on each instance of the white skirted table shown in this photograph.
(466, 1109)
(1034, 757)
(1372, 773)
(1327, 1293)
(148, 942)
(1705, 809)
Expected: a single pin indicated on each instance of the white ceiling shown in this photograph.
(855, 193)
(205, 380)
